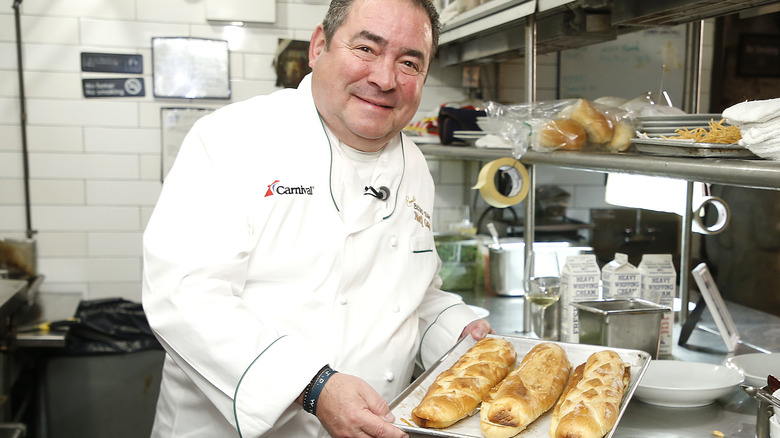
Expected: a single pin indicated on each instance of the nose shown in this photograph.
(382, 74)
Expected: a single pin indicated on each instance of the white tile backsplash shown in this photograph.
(52, 244)
(81, 8)
(94, 112)
(84, 166)
(129, 34)
(11, 191)
(51, 57)
(122, 140)
(172, 11)
(12, 138)
(89, 269)
(114, 244)
(55, 138)
(85, 218)
(50, 30)
(48, 85)
(57, 192)
(123, 192)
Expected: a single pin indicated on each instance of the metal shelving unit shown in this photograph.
(557, 24)
(761, 174)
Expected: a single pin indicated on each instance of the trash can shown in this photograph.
(106, 380)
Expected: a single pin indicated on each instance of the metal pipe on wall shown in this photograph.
(530, 201)
(23, 120)
(691, 104)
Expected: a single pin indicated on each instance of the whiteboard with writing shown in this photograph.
(628, 67)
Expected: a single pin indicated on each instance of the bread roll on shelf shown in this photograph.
(526, 393)
(565, 134)
(621, 138)
(457, 392)
(596, 124)
(590, 404)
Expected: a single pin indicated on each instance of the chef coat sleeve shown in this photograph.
(196, 250)
(443, 316)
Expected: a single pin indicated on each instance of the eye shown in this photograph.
(410, 67)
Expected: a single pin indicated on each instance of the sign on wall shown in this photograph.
(113, 87)
(111, 63)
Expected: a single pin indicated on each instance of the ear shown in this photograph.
(316, 44)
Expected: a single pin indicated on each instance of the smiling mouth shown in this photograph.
(374, 103)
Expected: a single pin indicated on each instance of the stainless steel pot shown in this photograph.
(507, 261)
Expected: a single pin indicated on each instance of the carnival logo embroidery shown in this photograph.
(420, 215)
(277, 189)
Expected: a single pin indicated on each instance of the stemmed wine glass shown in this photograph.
(544, 285)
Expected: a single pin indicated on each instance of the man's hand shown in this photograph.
(477, 329)
(349, 407)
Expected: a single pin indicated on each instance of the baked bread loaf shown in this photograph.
(563, 134)
(457, 392)
(526, 393)
(596, 124)
(590, 404)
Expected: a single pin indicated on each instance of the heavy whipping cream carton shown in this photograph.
(579, 282)
(659, 285)
(620, 279)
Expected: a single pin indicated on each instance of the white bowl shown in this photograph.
(685, 384)
(756, 367)
(774, 427)
(481, 312)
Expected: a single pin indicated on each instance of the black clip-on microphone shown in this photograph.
(382, 193)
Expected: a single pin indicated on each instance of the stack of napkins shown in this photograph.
(759, 122)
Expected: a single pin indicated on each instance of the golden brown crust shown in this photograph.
(596, 124)
(565, 134)
(458, 391)
(621, 138)
(590, 404)
(527, 393)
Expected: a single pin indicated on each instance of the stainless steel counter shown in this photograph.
(733, 414)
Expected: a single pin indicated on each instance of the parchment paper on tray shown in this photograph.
(469, 427)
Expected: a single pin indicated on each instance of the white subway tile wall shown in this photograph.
(95, 163)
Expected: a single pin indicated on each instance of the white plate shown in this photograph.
(481, 312)
(675, 383)
(756, 367)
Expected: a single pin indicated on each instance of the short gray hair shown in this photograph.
(339, 9)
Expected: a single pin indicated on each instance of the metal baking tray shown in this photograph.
(678, 148)
(469, 427)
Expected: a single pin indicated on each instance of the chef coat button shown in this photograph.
(342, 299)
(393, 241)
(389, 376)
(396, 308)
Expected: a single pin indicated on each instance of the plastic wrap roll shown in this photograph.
(511, 175)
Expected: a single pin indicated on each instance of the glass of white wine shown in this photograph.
(544, 285)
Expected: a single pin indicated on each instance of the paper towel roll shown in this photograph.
(507, 168)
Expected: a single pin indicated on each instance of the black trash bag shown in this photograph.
(110, 326)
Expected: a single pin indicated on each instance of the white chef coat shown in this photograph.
(264, 260)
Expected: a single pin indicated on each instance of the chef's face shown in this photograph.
(368, 81)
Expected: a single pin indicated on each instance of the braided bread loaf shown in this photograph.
(590, 404)
(526, 393)
(457, 392)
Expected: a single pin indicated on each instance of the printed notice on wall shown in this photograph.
(190, 68)
(176, 123)
(113, 87)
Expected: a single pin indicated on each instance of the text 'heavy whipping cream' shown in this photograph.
(579, 282)
(620, 279)
(659, 285)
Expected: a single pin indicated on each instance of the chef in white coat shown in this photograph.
(289, 265)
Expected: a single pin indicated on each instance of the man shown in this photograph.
(293, 234)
